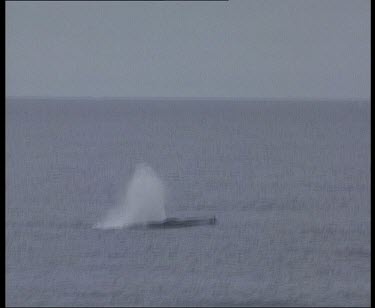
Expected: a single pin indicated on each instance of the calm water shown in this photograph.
(289, 184)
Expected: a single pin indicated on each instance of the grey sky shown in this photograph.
(240, 48)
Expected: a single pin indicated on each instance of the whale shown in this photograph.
(172, 222)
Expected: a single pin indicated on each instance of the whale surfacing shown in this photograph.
(178, 223)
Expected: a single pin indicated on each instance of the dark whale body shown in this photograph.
(181, 223)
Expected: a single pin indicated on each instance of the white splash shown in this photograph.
(143, 202)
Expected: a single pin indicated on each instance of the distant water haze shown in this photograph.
(143, 202)
(276, 49)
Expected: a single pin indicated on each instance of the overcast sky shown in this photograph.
(240, 48)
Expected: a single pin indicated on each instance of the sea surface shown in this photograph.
(288, 182)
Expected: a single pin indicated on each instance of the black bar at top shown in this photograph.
(122, 0)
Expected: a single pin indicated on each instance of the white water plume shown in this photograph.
(143, 202)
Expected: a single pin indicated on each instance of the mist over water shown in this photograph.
(143, 201)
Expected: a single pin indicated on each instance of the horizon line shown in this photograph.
(198, 98)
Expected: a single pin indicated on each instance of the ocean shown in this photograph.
(288, 183)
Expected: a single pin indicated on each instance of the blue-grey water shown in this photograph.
(289, 184)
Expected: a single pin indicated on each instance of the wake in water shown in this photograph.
(143, 202)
